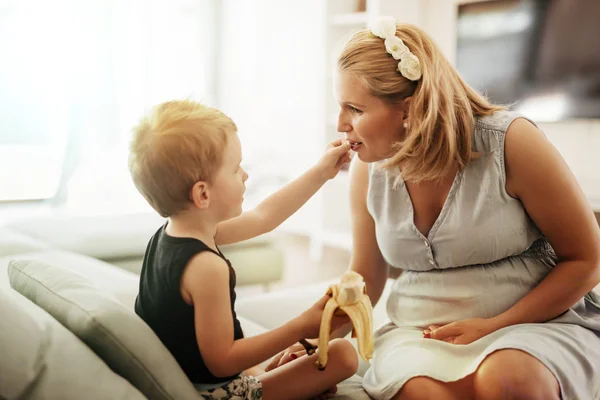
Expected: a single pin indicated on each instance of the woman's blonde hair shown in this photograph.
(178, 144)
(442, 111)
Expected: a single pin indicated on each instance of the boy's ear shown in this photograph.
(199, 195)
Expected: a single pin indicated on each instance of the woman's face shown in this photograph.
(370, 124)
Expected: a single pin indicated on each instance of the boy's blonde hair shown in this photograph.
(178, 144)
(442, 110)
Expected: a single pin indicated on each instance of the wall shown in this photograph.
(577, 140)
(270, 78)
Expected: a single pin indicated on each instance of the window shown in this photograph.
(76, 76)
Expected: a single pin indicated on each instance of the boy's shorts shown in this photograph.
(243, 387)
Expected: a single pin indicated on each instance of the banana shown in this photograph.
(349, 296)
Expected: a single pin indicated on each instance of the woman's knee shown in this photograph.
(425, 388)
(418, 388)
(514, 374)
(342, 351)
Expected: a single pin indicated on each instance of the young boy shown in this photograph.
(185, 160)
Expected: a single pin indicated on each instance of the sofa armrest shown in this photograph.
(105, 237)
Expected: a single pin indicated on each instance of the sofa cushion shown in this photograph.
(12, 242)
(351, 389)
(114, 332)
(255, 265)
(122, 284)
(106, 237)
(41, 359)
(250, 328)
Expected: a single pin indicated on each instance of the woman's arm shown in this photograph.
(366, 258)
(539, 177)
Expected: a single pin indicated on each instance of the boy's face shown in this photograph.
(228, 186)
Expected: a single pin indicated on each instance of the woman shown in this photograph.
(498, 247)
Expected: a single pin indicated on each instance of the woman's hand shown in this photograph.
(461, 332)
(336, 154)
(291, 353)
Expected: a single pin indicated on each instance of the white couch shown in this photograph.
(69, 332)
(121, 239)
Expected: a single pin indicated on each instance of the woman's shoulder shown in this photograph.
(498, 121)
(490, 130)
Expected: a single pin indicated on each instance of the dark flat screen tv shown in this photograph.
(540, 57)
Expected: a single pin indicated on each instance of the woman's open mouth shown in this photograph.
(354, 145)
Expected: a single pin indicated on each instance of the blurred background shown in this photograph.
(76, 75)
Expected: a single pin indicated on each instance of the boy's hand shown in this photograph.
(311, 319)
(336, 154)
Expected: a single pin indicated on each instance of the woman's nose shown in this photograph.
(342, 124)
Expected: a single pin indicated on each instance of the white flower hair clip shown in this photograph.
(409, 65)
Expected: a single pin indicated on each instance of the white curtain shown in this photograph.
(271, 82)
(76, 75)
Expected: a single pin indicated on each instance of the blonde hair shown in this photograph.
(178, 144)
(442, 111)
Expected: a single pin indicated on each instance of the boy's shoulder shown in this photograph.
(206, 263)
(206, 270)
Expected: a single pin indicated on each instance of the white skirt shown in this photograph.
(569, 346)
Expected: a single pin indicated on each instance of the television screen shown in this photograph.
(540, 57)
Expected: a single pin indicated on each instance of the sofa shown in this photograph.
(69, 331)
(120, 240)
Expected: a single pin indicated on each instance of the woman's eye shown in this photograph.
(355, 110)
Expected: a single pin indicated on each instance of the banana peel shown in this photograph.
(350, 297)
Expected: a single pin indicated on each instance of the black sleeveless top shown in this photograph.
(160, 305)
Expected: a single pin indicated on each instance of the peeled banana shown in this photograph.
(350, 296)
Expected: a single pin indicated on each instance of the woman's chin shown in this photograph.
(367, 157)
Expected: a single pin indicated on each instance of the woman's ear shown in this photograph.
(199, 195)
(406, 108)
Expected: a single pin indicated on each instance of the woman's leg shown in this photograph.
(514, 374)
(423, 388)
(504, 374)
(301, 379)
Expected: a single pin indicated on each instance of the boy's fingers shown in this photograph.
(341, 149)
(337, 142)
(323, 300)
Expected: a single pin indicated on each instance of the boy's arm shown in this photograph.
(206, 282)
(272, 211)
(278, 207)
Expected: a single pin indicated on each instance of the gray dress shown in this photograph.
(481, 256)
